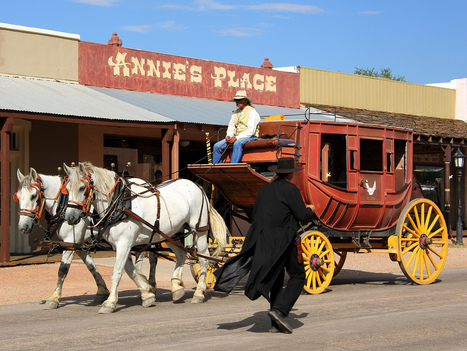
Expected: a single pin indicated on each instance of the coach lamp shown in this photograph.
(459, 162)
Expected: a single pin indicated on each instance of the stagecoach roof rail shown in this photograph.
(401, 121)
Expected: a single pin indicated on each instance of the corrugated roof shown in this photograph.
(68, 99)
(72, 99)
(189, 109)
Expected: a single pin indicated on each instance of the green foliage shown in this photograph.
(383, 73)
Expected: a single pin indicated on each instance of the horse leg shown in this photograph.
(147, 295)
(139, 257)
(202, 245)
(177, 288)
(102, 291)
(152, 270)
(53, 301)
(121, 258)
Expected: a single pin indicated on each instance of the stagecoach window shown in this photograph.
(400, 161)
(333, 160)
(371, 155)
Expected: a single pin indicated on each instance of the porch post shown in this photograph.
(167, 136)
(6, 125)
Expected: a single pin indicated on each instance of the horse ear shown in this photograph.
(66, 169)
(33, 174)
(19, 175)
(82, 168)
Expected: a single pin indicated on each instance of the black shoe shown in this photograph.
(274, 329)
(277, 317)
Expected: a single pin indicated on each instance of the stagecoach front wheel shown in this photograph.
(423, 241)
(210, 277)
(318, 260)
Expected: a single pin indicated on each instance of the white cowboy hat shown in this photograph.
(241, 94)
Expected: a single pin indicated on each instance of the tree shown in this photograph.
(383, 73)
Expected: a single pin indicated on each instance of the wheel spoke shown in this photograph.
(433, 263)
(409, 248)
(412, 231)
(434, 251)
(416, 227)
(435, 220)
(414, 252)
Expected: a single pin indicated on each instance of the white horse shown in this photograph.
(154, 217)
(37, 192)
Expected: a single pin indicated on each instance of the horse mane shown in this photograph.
(103, 179)
(26, 182)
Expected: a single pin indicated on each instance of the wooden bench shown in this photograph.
(274, 136)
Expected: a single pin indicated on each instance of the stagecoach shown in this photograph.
(360, 179)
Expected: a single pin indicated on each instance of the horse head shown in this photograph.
(80, 191)
(30, 199)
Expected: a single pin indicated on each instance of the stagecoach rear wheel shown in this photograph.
(210, 277)
(318, 260)
(423, 241)
(339, 260)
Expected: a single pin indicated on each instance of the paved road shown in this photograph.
(360, 312)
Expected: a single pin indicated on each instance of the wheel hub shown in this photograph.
(316, 262)
(425, 241)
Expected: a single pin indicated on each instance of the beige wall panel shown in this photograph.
(42, 54)
(349, 90)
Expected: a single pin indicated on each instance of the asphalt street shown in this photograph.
(358, 312)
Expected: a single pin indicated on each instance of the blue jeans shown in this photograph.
(237, 152)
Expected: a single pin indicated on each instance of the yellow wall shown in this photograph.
(38, 53)
(321, 87)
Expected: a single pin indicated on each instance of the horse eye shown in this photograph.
(82, 188)
(33, 197)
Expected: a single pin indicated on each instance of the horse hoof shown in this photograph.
(50, 305)
(106, 309)
(197, 299)
(148, 302)
(177, 295)
(100, 298)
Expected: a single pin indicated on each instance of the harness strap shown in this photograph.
(166, 237)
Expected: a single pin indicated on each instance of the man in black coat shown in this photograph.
(270, 246)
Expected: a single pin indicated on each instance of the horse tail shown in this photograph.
(219, 230)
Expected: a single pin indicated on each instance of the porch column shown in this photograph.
(176, 154)
(6, 125)
(167, 137)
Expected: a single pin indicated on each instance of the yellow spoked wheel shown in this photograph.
(339, 257)
(423, 241)
(318, 259)
(210, 277)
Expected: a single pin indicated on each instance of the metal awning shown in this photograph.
(68, 99)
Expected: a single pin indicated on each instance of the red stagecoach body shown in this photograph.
(359, 177)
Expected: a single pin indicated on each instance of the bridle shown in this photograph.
(84, 205)
(37, 212)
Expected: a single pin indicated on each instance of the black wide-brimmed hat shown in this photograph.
(285, 165)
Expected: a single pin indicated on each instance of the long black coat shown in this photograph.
(277, 210)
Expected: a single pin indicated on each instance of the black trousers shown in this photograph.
(284, 298)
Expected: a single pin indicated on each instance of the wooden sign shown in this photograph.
(121, 68)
